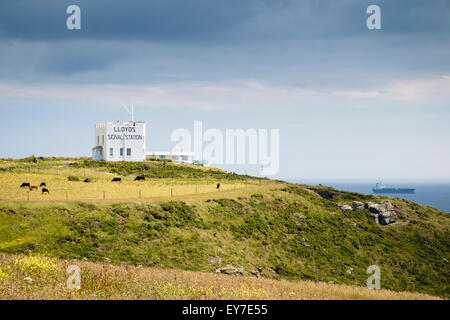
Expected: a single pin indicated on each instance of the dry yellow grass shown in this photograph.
(23, 277)
(103, 189)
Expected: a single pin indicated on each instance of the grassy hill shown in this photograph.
(46, 279)
(251, 223)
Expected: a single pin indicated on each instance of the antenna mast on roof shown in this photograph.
(128, 110)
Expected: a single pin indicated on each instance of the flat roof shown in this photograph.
(169, 153)
(103, 124)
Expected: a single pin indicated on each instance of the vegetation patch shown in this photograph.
(295, 232)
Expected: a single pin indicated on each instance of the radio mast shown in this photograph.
(130, 112)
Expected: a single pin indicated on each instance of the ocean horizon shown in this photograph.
(431, 193)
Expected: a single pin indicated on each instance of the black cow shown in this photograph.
(44, 190)
(139, 178)
(43, 184)
(116, 179)
(25, 184)
(218, 186)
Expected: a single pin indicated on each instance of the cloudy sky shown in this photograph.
(350, 103)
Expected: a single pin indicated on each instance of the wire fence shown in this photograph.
(70, 195)
(101, 188)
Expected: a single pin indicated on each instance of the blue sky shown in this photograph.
(350, 103)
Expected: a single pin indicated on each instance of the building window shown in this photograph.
(111, 152)
(128, 152)
(175, 157)
(162, 157)
(184, 158)
(103, 139)
(121, 152)
(98, 140)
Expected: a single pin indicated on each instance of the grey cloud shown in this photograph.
(307, 43)
(157, 20)
(217, 21)
(79, 57)
(364, 62)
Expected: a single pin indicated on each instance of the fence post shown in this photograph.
(67, 196)
(140, 194)
(171, 192)
(28, 195)
(195, 188)
(103, 195)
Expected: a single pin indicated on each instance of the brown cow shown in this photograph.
(33, 186)
(140, 177)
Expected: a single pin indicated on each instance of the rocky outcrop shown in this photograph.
(357, 205)
(232, 271)
(257, 272)
(383, 212)
(375, 207)
(214, 260)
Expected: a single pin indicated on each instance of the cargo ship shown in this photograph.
(380, 188)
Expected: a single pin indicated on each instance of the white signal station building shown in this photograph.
(125, 141)
(120, 141)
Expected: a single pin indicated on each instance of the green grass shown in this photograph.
(46, 278)
(255, 229)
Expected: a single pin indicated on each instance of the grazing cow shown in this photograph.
(139, 178)
(25, 184)
(116, 179)
(33, 186)
(44, 190)
(43, 184)
(218, 187)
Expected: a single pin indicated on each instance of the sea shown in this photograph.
(436, 194)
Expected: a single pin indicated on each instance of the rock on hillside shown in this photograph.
(383, 212)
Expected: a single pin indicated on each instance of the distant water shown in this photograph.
(432, 194)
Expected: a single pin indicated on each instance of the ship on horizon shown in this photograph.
(380, 188)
